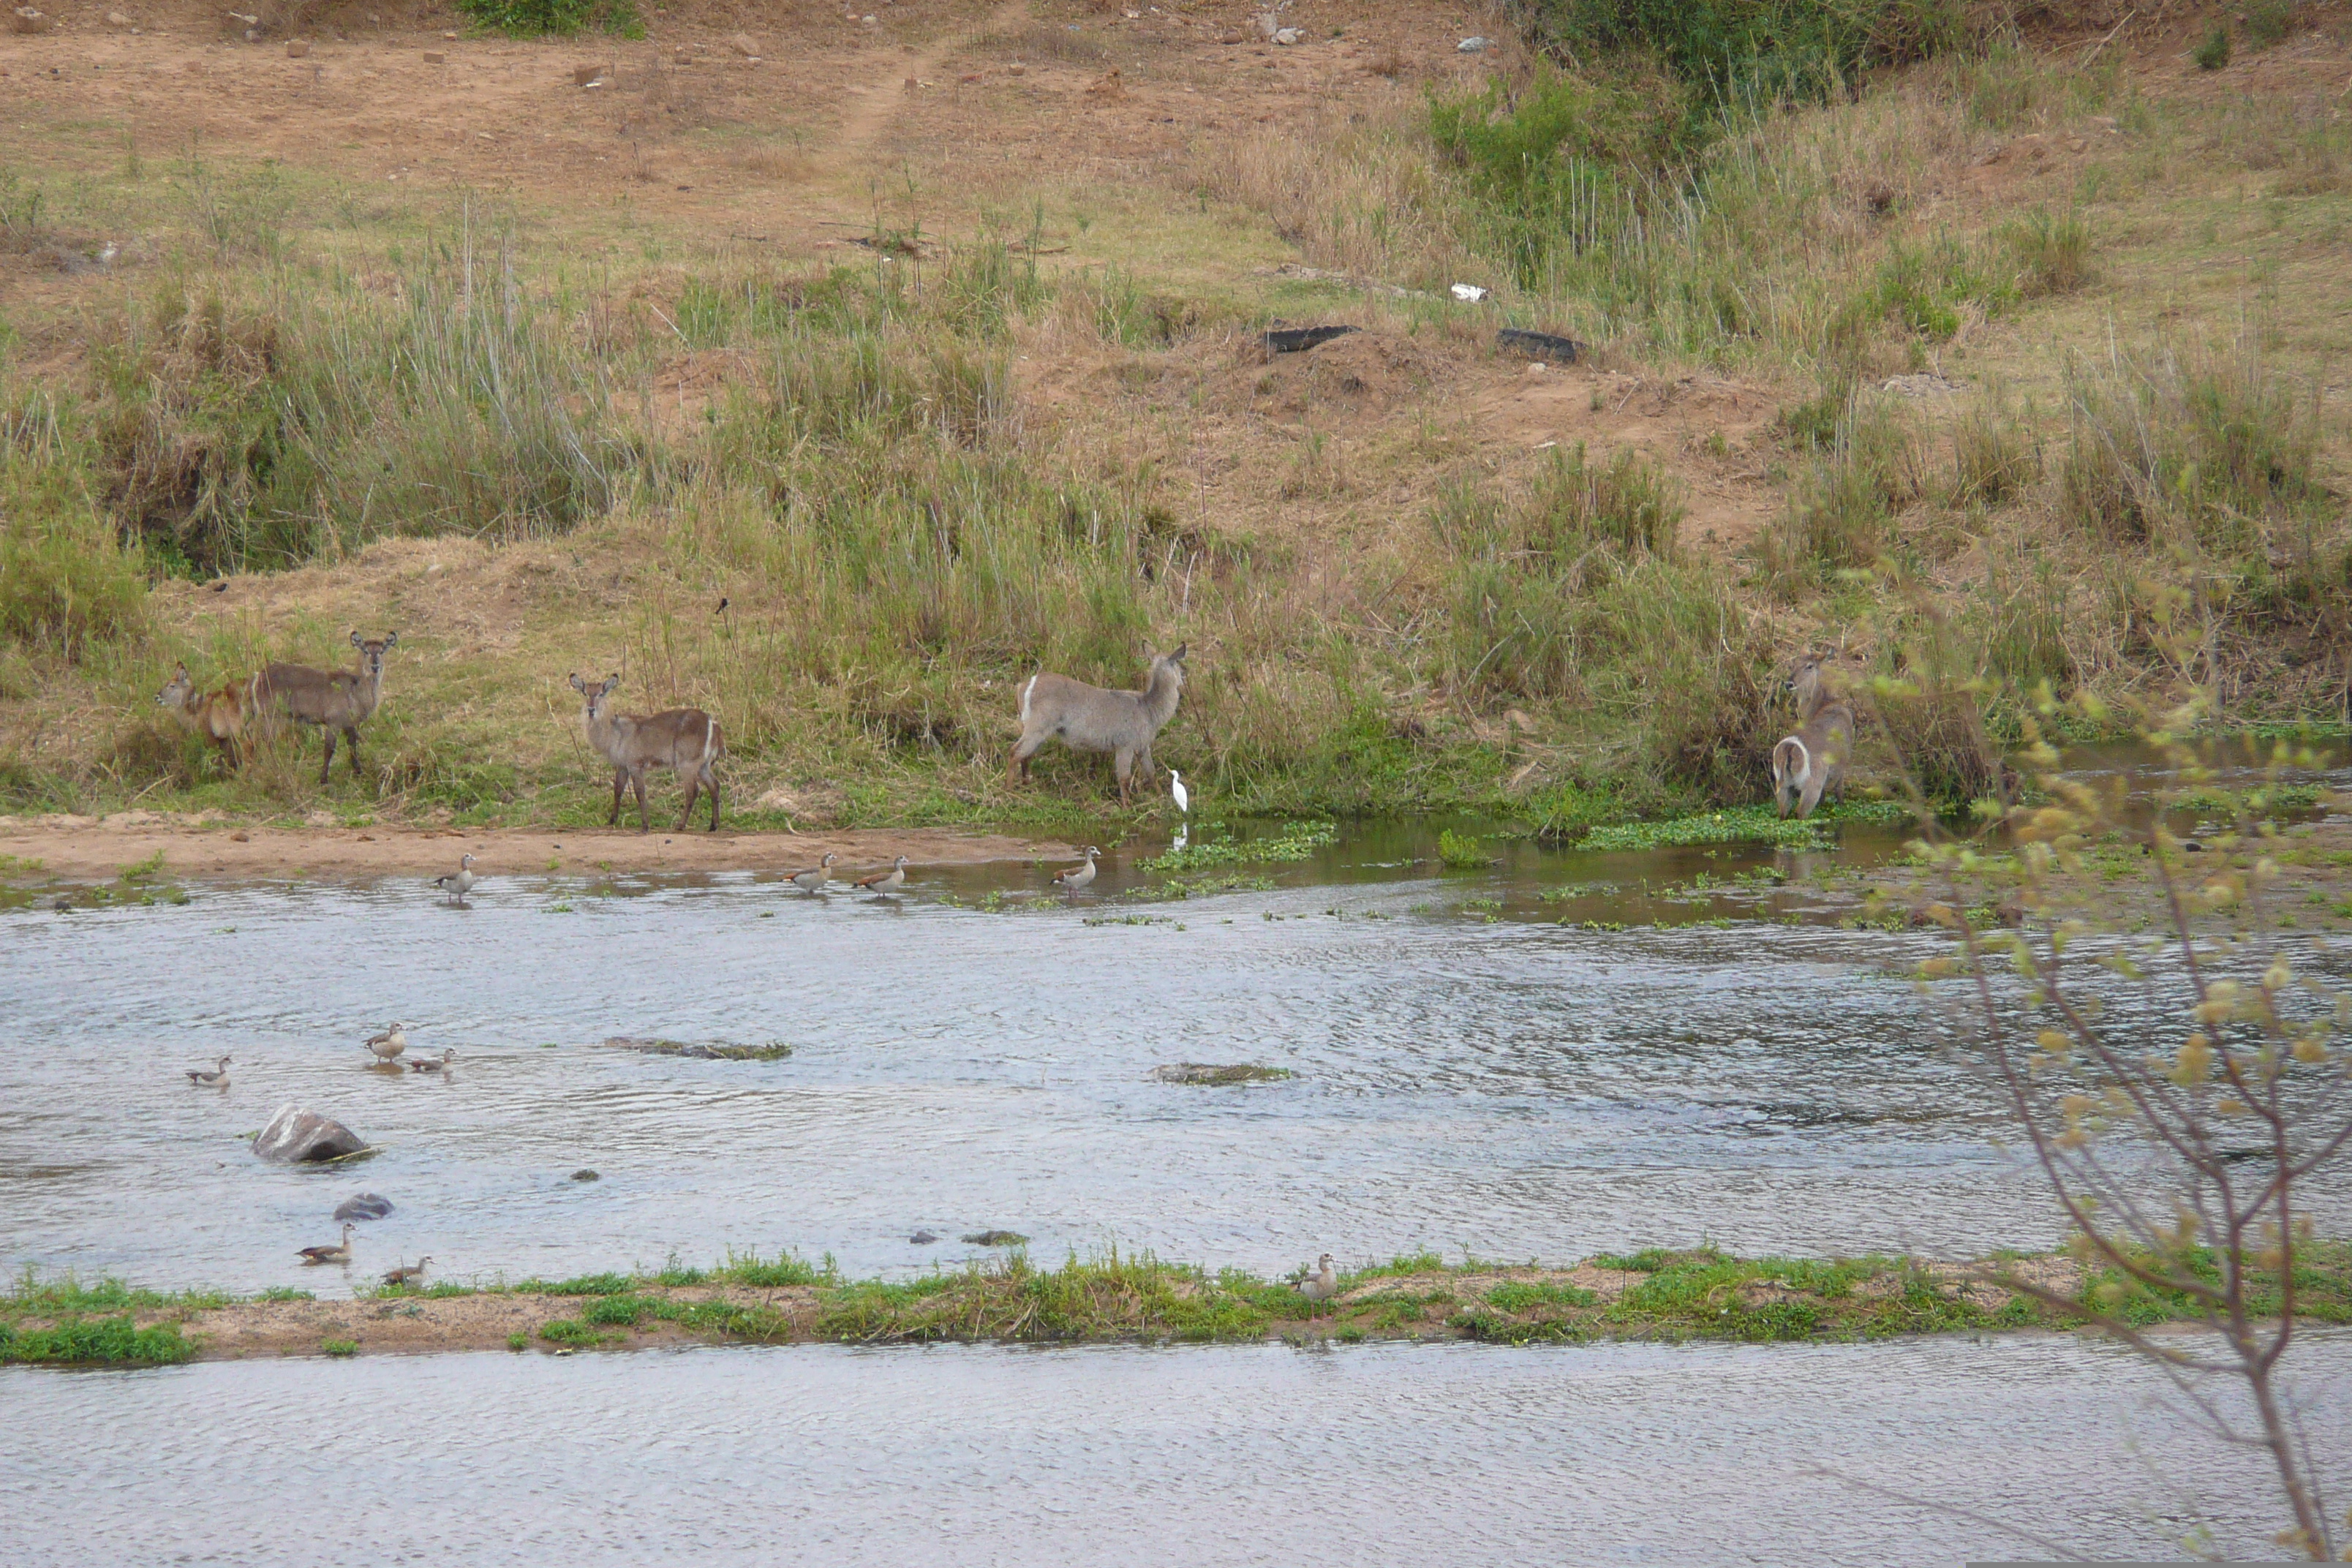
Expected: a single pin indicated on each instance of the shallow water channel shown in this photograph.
(1374, 1455)
(1475, 1068)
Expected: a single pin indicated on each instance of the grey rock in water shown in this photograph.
(774, 1050)
(996, 1238)
(297, 1136)
(1211, 1073)
(367, 1205)
(585, 1175)
(921, 1238)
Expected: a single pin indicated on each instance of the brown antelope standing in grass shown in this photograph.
(219, 717)
(684, 739)
(332, 699)
(1089, 718)
(1812, 763)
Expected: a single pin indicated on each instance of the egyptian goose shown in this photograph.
(459, 882)
(411, 1274)
(337, 1254)
(388, 1045)
(886, 881)
(216, 1079)
(1077, 877)
(814, 879)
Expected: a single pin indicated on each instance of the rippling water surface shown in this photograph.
(1390, 1454)
(1515, 1088)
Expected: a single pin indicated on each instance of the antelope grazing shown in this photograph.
(332, 699)
(685, 741)
(220, 717)
(1812, 763)
(1089, 718)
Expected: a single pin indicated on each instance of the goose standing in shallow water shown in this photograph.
(886, 881)
(388, 1045)
(337, 1254)
(1323, 1284)
(216, 1079)
(1077, 877)
(409, 1274)
(459, 882)
(812, 880)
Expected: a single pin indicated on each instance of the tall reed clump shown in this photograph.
(256, 426)
(873, 484)
(2211, 456)
(1522, 575)
(1575, 594)
(67, 583)
(1842, 515)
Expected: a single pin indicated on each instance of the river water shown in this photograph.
(1373, 1455)
(1476, 1069)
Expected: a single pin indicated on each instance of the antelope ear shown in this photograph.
(612, 683)
(355, 639)
(1178, 656)
(578, 684)
(390, 638)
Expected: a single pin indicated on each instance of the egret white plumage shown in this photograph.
(1177, 792)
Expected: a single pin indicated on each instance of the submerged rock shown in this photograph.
(921, 1238)
(300, 1136)
(647, 1046)
(997, 1239)
(585, 1174)
(1204, 1072)
(367, 1205)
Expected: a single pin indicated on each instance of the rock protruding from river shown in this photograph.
(1203, 1072)
(367, 1205)
(300, 1136)
(996, 1238)
(646, 1046)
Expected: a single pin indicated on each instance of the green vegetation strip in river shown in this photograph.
(1701, 1294)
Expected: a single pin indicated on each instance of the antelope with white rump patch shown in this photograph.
(332, 699)
(219, 717)
(685, 741)
(1089, 718)
(1812, 763)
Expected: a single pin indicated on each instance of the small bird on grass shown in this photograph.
(388, 1046)
(341, 1253)
(812, 880)
(459, 882)
(216, 1079)
(886, 881)
(1323, 1284)
(409, 1274)
(1072, 878)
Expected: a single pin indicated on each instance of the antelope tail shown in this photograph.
(1028, 686)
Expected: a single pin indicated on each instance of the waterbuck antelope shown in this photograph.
(332, 699)
(1089, 718)
(684, 739)
(219, 717)
(1812, 763)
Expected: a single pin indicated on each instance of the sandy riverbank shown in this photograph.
(84, 847)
